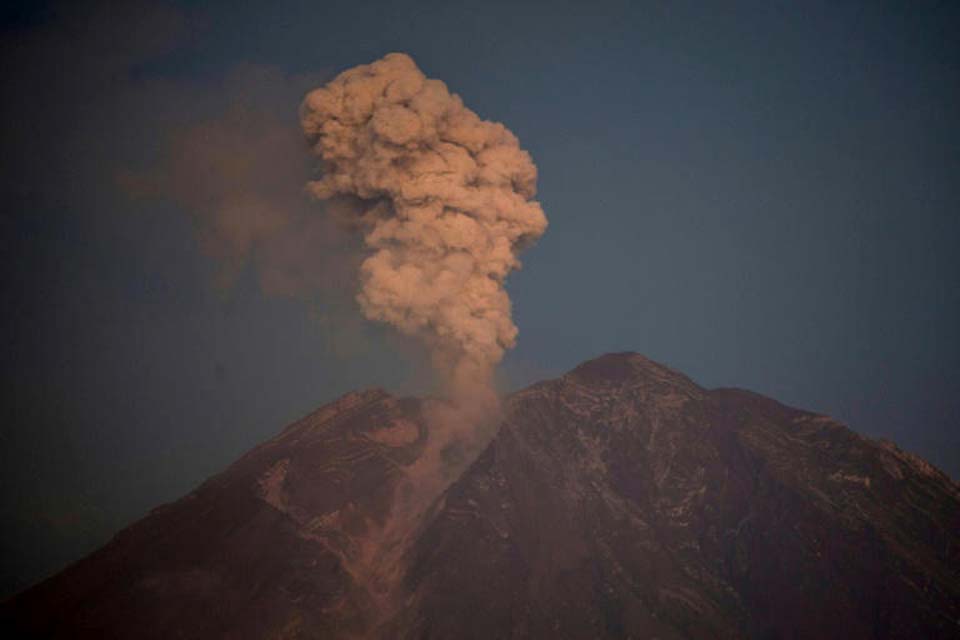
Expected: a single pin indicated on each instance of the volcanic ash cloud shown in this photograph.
(443, 200)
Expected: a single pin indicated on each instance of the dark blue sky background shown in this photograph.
(759, 194)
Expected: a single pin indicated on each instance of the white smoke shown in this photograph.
(444, 203)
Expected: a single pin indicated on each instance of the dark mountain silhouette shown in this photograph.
(619, 501)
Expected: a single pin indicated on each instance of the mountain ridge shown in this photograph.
(619, 500)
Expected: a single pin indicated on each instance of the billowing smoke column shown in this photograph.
(444, 201)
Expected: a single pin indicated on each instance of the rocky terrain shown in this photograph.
(618, 501)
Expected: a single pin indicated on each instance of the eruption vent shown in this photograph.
(444, 201)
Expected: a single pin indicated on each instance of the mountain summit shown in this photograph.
(621, 500)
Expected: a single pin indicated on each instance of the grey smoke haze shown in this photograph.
(239, 175)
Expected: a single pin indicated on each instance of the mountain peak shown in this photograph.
(626, 368)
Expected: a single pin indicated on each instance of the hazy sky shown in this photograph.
(762, 195)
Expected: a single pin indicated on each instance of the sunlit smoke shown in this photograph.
(443, 201)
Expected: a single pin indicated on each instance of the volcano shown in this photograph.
(621, 500)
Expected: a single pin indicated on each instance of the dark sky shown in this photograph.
(762, 195)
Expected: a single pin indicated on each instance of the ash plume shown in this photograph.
(443, 201)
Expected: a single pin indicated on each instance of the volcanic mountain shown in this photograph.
(618, 501)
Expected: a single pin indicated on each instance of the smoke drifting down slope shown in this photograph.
(444, 202)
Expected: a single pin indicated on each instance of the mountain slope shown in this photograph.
(261, 550)
(621, 500)
(624, 501)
